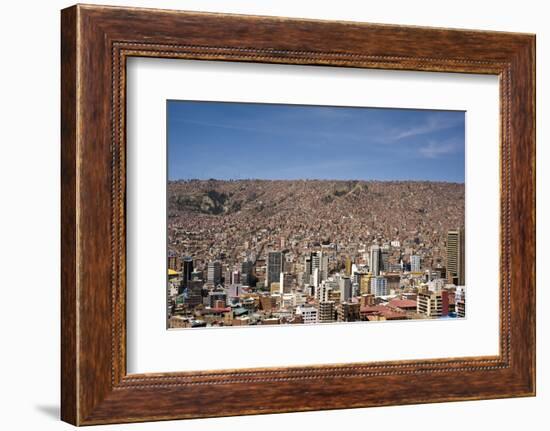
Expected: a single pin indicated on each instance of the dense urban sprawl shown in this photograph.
(261, 252)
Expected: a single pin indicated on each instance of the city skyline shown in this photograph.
(283, 142)
(293, 214)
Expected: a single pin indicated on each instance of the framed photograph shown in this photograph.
(264, 214)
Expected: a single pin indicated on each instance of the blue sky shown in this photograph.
(268, 141)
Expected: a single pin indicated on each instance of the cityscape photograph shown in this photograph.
(283, 214)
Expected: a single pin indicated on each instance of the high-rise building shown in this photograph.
(319, 261)
(285, 282)
(187, 270)
(375, 259)
(433, 304)
(315, 277)
(235, 277)
(326, 311)
(415, 263)
(385, 252)
(323, 291)
(379, 286)
(227, 277)
(193, 293)
(348, 266)
(364, 282)
(214, 274)
(345, 289)
(307, 270)
(246, 272)
(455, 256)
(274, 267)
(172, 261)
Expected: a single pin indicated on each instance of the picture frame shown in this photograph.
(96, 42)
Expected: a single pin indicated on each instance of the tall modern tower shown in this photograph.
(384, 257)
(214, 273)
(246, 272)
(319, 261)
(379, 286)
(455, 256)
(274, 267)
(345, 289)
(375, 259)
(415, 263)
(307, 270)
(187, 270)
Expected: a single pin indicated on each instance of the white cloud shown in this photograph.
(432, 124)
(436, 149)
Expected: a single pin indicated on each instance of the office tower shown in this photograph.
(319, 261)
(235, 277)
(193, 294)
(375, 259)
(322, 292)
(315, 277)
(415, 263)
(324, 266)
(315, 261)
(379, 286)
(214, 273)
(455, 256)
(345, 289)
(285, 282)
(307, 270)
(384, 258)
(227, 277)
(348, 266)
(246, 272)
(187, 270)
(364, 283)
(274, 267)
(172, 261)
(326, 311)
(433, 304)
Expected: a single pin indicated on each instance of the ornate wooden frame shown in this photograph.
(95, 43)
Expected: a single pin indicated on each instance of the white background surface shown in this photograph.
(29, 220)
(151, 348)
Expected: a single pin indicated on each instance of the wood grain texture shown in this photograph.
(96, 41)
(69, 397)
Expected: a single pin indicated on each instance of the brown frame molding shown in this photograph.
(95, 43)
